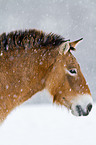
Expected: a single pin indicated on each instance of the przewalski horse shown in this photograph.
(31, 61)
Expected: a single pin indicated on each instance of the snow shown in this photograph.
(47, 125)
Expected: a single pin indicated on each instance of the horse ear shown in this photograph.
(74, 43)
(64, 47)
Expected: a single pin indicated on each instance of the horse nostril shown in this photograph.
(89, 107)
(79, 110)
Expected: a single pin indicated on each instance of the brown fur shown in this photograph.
(29, 62)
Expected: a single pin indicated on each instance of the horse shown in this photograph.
(31, 61)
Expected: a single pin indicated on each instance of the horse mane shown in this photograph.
(29, 39)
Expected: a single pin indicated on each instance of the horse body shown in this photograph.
(31, 61)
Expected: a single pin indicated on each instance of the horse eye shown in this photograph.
(73, 71)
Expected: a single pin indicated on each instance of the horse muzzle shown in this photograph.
(81, 105)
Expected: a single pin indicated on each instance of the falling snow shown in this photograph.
(21, 90)
(41, 63)
(6, 110)
(70, 90)
(72, 20)
(14, 96)
(1, 53)
(60, 92)
(7, 86)
(7, 47)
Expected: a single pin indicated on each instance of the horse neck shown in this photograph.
(38, 65)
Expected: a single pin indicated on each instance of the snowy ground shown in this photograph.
(47, 125)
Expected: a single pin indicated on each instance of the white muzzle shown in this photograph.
(81, 105)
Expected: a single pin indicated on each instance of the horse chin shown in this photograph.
(74, 113)
(63, 103)
(66, 104)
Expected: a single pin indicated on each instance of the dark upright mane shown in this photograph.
(29, 39)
